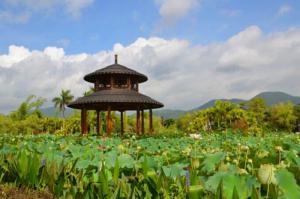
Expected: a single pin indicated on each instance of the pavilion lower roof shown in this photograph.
(116, 99)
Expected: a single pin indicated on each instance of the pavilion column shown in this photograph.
(138, 122)
(143, 123)
(96, 88)
(150, 122)
(122, 123)
(83, 121)
(98, 123)
(108, 122)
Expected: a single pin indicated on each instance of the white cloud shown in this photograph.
(74, 7)
(33, 4)
(64, 42)
(284, 9)
(12, 18)
(71, 7)
(231, 12)
(173, 10)
(180, 75)
(54, 53)
(15, 55)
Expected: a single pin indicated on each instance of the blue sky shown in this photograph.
(101, 23)
(191, 50)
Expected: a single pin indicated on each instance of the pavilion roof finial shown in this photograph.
(116, 58)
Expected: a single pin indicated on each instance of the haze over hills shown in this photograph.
(169, 113)
(271, 98)
(52, 111)
(276, 97)
(212, 103)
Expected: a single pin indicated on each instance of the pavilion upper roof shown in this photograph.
(115, 69)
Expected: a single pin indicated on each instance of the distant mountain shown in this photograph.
(52, 112)
(272, 98)
(212, 103)
(168, 113)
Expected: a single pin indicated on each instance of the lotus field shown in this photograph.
(216, 165)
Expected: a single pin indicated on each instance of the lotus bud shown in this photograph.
(266, 174)
(244, 148)
(235, 161)
(242, 171)
(195, 163)
(278, 148)
(227, 158)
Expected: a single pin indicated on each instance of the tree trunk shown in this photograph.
(150, 122)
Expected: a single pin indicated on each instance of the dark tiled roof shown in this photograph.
(117, 99)
(115, 69)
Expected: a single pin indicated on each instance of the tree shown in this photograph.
(200, 121)
(89, 92)
(282, 116)
(258, 107)
(297, 111)
(184, 122)
(28, 107)
(221, 113)
(62, 100)
(169, 122)
(297, 114)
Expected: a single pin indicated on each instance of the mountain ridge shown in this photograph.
(271, 98)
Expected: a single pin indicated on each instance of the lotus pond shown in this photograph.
(217, 165)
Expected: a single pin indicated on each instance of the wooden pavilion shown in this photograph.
(116, 89)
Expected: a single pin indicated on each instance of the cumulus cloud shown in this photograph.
(284, 9)
(173, 10)
(181, 75)
(15, 55)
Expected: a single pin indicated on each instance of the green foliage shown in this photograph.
(28, 107)
(287, 184)
(231, 184)
(91, 167)
(184, 121)
(297, 111)
(282, 116)
(169, 122)
(224, 115)
(89, 92)
(34, 124)
(252, 117)
(211, 161)
(258, 107)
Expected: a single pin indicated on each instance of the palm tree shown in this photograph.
(29, 107)
(62, 100)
